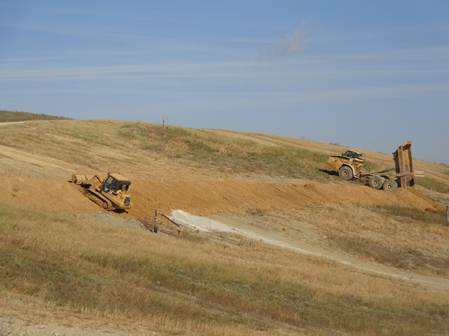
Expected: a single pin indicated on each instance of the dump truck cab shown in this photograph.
(348, 165)
(351, 154)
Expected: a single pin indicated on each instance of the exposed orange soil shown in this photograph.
(204, 196)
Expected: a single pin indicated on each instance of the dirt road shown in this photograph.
(11, 123)
(233, 224)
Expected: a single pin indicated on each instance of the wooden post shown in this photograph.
(155, 216)
(447, 214)
(155, 222)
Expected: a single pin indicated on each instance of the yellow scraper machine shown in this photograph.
(110, 192)
(349, 166)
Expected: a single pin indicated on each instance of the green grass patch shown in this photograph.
(78, 141)
(433, 184)
(207, 149)
(10, 116)
(394, 255)
(406, 214)
(403, 258)
(235, 288)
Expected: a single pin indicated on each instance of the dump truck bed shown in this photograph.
(403, 161)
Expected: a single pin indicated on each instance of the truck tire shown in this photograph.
(346, 173)
(390, 185)
(376, 182)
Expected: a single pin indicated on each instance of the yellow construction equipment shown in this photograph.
(349, 166)
(404, 165)
(110, 192)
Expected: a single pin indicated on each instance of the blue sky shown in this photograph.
(368, 74)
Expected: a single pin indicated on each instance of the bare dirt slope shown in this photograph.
(203, 195)
(273, 187)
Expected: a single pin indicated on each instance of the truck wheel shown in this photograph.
(376, 182)
(345, 173)
(390, 185)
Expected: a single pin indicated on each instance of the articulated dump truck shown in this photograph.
(349, 166)
(110, 192)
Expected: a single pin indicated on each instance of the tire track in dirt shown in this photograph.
(37, 160)
(360, 265)
(227, 225)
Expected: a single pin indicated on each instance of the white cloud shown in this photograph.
(290, 46)
(293, 44)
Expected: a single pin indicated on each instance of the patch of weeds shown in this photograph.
(405, 214)
(255, 212)
(12, 116)
(223, 153)
(31, 272)
(11, 216)
(432, 184)
(404, 258)
(233, 289)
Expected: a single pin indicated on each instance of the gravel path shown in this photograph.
(210, 225)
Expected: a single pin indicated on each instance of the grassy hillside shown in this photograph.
(12, 116)
(58, 249)
(200, 286)
(220, 152)
(197, 148)
(239, 154)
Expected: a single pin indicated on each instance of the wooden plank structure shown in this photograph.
(403, 161)
(153, 225)
(178, 226)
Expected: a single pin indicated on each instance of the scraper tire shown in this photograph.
(376, 182)
(345, 173)
(390, 185)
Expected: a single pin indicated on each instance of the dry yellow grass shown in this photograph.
(407, 238)
(209, 287)
(56, 254)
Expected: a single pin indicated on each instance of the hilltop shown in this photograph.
(325, 256)
(15, 116)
